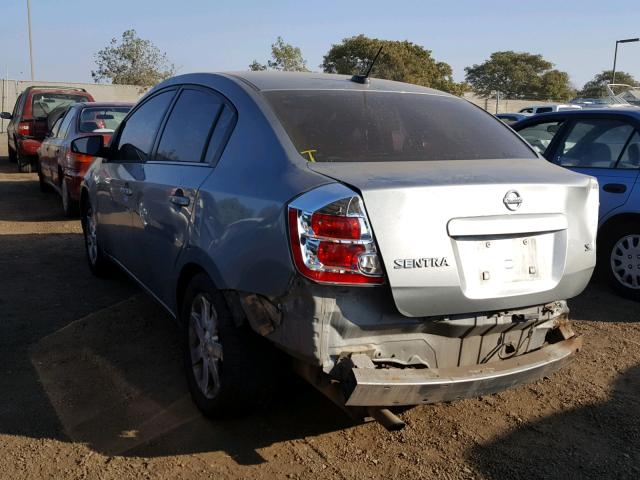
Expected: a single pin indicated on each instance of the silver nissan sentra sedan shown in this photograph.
(401, 245)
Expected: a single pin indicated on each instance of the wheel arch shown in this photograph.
(613, 222)
(190, 268)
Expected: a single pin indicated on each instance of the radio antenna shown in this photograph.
(365, 78)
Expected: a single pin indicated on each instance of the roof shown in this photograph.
(584, 112)
(104, 104)
(266, 81)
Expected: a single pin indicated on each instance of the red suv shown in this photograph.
(28, 123)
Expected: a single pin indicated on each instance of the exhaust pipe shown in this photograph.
(386, 418)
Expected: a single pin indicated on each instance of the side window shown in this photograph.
(138, 133)
(56, 127)
(541, 135)
(221, 134)
(594, 143)
(544, 109)
(631, 156)
(64, 126)
(17, 106)
(189, 125)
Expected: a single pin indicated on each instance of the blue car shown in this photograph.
(604, 143)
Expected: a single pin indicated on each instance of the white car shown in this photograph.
(549, 107)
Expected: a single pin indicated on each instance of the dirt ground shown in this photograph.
(91, 386)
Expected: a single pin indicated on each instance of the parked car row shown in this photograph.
(60, 168)
(401, 245)
(44, 122)
(28, 122)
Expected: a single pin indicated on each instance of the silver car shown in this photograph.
(401, 245)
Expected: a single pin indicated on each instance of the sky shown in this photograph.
(206, 35)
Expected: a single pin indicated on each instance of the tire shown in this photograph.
(69, 206)
(24, 163)
(12, 154)
(98, 262)
(620, 259)
(228, 370)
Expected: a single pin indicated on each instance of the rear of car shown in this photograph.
(60, 167)
(92, 118)
(455, 222)
(401, 244)
(28, 123)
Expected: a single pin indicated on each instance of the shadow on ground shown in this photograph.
(115, 381)
(95, 361)
(593, 441)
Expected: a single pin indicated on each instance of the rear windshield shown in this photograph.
(101, 119)
(357, 126)
(42, 104)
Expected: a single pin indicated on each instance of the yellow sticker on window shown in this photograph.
(310, 154)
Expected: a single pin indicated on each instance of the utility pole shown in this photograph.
(615, 55)
(30, 44)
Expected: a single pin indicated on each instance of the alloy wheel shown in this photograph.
(204, 345)
(625, 261)
(91, 236)
(65, 196)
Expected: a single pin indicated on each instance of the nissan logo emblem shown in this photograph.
(512, 200)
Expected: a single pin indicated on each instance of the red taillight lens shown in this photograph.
(340, 255)
(333, 226)
(332, 243)
(77, 162)
(24, 128)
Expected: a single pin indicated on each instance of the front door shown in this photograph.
(118, 175)
(603, 148)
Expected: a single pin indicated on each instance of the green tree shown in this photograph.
(596, 87)
(133, 61)
(519, 75)
(402, 61)
(284, 57)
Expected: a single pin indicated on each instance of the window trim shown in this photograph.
(69, 112)
(204, 160)
(634, 132)
(115, 139)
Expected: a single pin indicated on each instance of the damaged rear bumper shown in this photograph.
(410, 386)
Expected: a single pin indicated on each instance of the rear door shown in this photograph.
(15, 119)
(599, 146)
(123, 169)
(168, 189)
(43, 151)
(54, 145)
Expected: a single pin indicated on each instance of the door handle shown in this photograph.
(126, 190)
(615, 188)
(178, 198)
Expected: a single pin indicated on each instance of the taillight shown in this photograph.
(331, 238)
(24, 128)
(77, 162)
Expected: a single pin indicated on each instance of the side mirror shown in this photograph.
(91, 145)
(6, 116)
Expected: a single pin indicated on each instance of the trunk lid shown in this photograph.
(469, 236)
